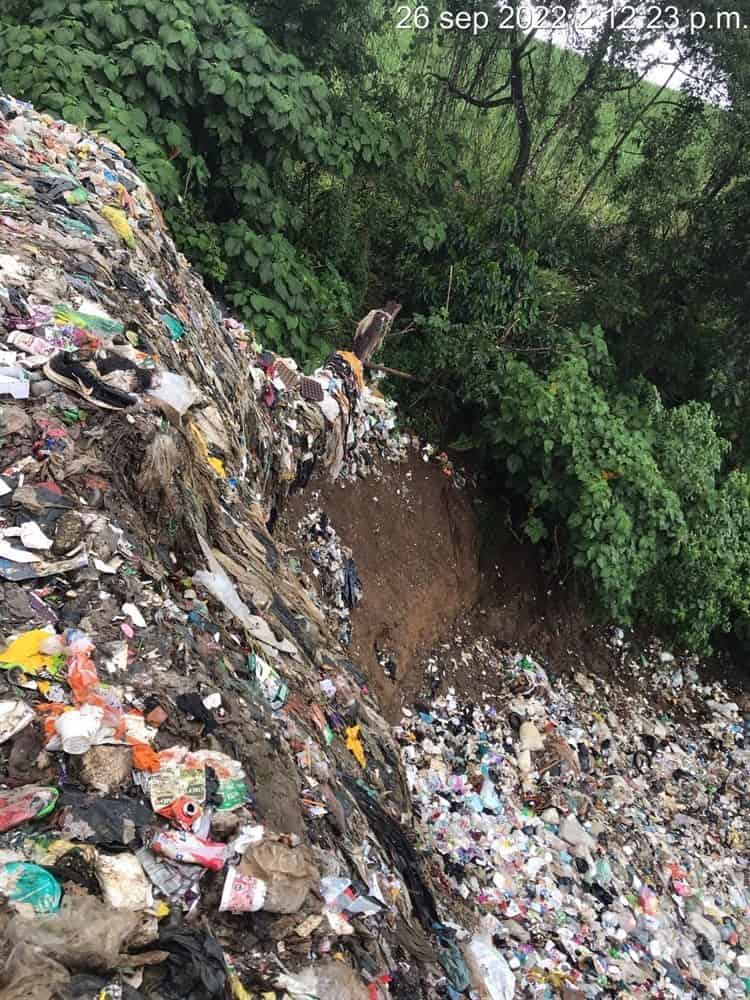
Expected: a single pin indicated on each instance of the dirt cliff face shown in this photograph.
(416, 543)
(146, 444)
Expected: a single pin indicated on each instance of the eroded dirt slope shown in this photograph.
(416, 543)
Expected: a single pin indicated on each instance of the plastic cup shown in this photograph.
(78, 728)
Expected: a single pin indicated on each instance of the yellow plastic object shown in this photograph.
(354, 743)
(238, 990)
(116, 218)
(24, 652)
(355, 364)
(216, 463)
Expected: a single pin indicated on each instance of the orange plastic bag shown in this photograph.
(144, 758)
(83, 679)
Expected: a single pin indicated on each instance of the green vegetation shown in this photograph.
(568, 240)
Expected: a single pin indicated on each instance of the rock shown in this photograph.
(68, 533)
(106, 768)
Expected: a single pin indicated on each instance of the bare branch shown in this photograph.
(477, 102)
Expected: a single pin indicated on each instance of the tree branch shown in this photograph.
(477, 102)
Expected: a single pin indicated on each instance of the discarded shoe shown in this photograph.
(83, 378)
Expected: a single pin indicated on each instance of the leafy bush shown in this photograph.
(634, 493)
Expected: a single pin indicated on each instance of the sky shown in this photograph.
(660, 52)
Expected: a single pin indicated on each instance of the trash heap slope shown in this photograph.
(198, 796)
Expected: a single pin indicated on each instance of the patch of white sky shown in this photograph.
(660, 61)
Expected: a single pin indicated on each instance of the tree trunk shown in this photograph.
(522, 116)
(598, 57)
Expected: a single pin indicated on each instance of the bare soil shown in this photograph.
(415, 540)
(429, 575)
(434, 582)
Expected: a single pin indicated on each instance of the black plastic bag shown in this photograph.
(196, 969)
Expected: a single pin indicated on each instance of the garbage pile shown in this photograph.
(198, 796)
(335, 570)
(602, 830)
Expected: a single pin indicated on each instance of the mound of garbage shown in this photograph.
(199, 798)
(603, 826)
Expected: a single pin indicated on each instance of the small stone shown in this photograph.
(106, 768)
(68, 533)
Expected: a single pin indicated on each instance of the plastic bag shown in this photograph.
(354, 744)
(123, 882)
(117, 219)
(288, 872)
(272, 687)
(26, 651)
(14, 716)
(175, 391)
(324, 982)
(85, 934)
(31, 886)
(174, 880)
(18, 805)
(95, 819)
(491, 974)
(340, 895)
(13, 382)
(25, 970)
(196, 969)
(221, 588)
(491, 801)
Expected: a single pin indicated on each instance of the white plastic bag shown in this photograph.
(491, 975)
(176, 391)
